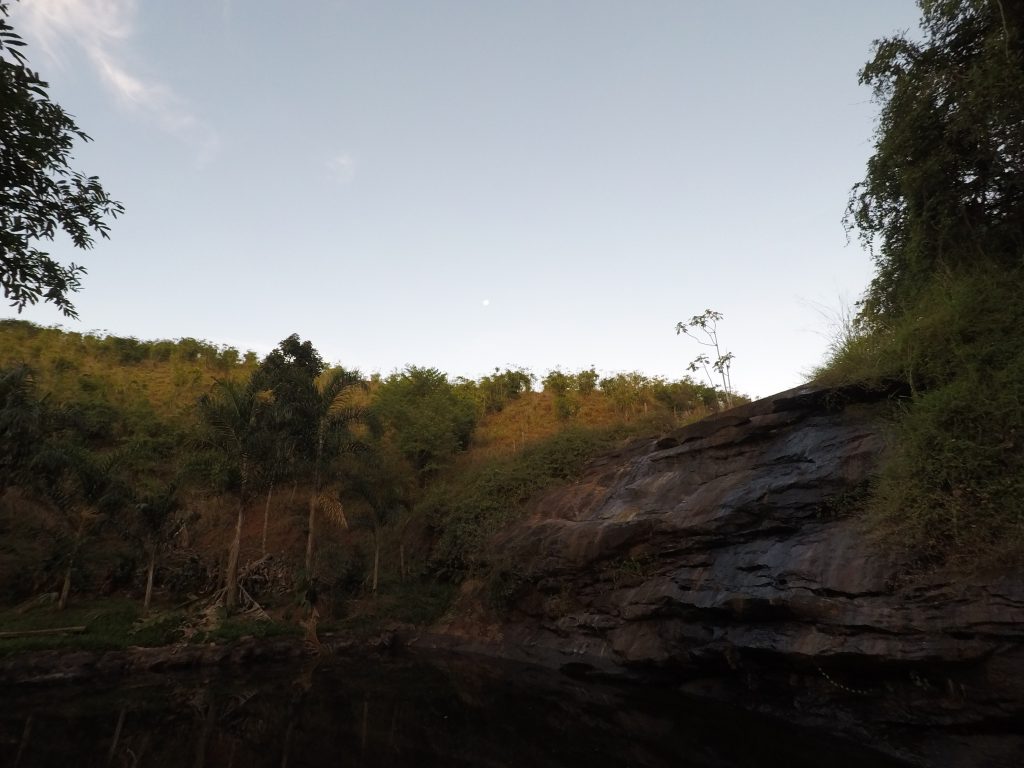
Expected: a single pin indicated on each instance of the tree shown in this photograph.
(382, 487)
(430, 421)
(941, 209)
(39, 192)
(562, 387)
(944, 189)
(281, 459)
(586, 381)
(502, 387)
(310, 420)
(86, 489)
(231, 413)
(629, 392)
(683, 396)
(289, 369)
(335, 412)
(289, 372)
(153, 525)
(703, 329)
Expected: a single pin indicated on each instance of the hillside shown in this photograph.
(115, 457)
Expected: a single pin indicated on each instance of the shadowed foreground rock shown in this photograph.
(726, 560)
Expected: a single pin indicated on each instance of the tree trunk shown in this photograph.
(313, 501)
(149, 582)
(204, 736)
(394, 727)
(366, 723)
(266, 517)
(66, 588)
(287, 742)
(26, 735)
(376, 561)
(401, 561)
(309, 536)
(117, 737)
(231, 598)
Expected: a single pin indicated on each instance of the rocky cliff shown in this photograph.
(728, 559)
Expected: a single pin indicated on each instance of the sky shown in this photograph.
(471, 184)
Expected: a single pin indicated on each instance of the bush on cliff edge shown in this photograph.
(941, 209)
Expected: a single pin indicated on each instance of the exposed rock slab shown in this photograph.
(727, 557)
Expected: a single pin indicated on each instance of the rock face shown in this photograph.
(728, 558)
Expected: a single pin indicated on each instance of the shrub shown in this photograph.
(949, 485)
(467, 512)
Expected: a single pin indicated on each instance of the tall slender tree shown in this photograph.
(231, 412)
(153, 525)
(334, 398)
(289, 372)
(314, 412)
(703, 329)
(280, 462)
(382, 484)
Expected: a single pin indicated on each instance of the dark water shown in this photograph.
(437, 712)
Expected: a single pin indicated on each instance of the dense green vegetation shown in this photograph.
(176, 472)
(942, 208)
(472, 507)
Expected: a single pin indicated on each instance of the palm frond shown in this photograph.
(331, 507)
(337, 392)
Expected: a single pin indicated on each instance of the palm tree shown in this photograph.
(333, 399)
(382, 482)
(85, 489)
(231, 411)
(154, 524)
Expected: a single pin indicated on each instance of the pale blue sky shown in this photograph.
(471, 184)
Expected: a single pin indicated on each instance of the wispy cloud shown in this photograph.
(343, 166)
(103, 30)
